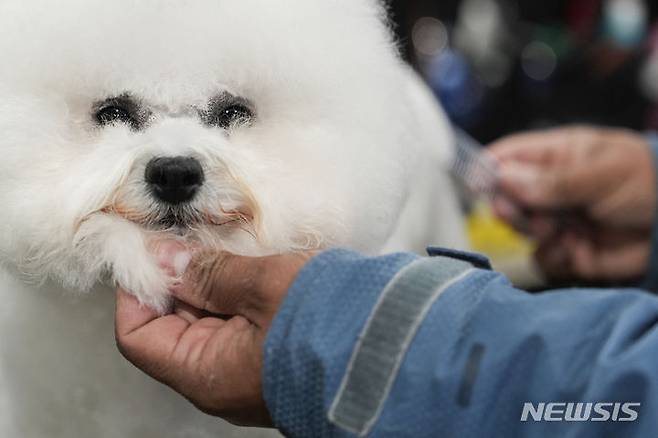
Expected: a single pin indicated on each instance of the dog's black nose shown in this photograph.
(174, 180)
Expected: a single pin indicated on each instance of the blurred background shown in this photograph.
(501, 66)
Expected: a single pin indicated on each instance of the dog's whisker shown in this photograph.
(250, 232)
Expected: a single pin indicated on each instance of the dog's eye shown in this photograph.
(120, 109)
(114, 114)
(227, 117)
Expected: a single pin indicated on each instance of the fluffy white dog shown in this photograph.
(253, 126)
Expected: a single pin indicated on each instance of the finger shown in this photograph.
(544, 147)
(543, 227)
(578, 255)
(173, 256)
(130, 314)
(620, 261)
(220, 283)
(526, 185)
(533, 147)
(144, 338)
(550, 169)
(189, 313)
(509, 211)
(553, 261)
(556, 188)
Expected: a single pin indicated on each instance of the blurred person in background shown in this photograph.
(505, 66)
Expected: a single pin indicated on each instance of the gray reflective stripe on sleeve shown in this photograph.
(381, 348)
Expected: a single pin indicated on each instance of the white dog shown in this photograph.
(252, 126)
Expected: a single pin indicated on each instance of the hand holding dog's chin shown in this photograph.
(215, 362)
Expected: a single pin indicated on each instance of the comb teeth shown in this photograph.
(473, 168)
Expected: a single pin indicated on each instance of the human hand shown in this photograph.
(587, 195)
(210, 348)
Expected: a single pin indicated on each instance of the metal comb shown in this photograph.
(475, 171)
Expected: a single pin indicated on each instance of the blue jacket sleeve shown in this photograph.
(460, 361)
(651, 279)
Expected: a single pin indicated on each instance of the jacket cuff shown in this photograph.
(312, 337)
(651, 279)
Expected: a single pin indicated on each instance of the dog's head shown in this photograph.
(253, 125)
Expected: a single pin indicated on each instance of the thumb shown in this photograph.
(145, 338)
(539, 188)
(215, 281)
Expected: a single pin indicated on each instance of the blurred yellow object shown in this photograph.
(510, 252)
(495, 238)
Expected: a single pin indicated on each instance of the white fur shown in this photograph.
(346, 148)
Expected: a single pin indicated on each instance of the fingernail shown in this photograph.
(181, 262)
(174, 257)
(519, 175)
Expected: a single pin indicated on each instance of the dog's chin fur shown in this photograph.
(325, 162)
